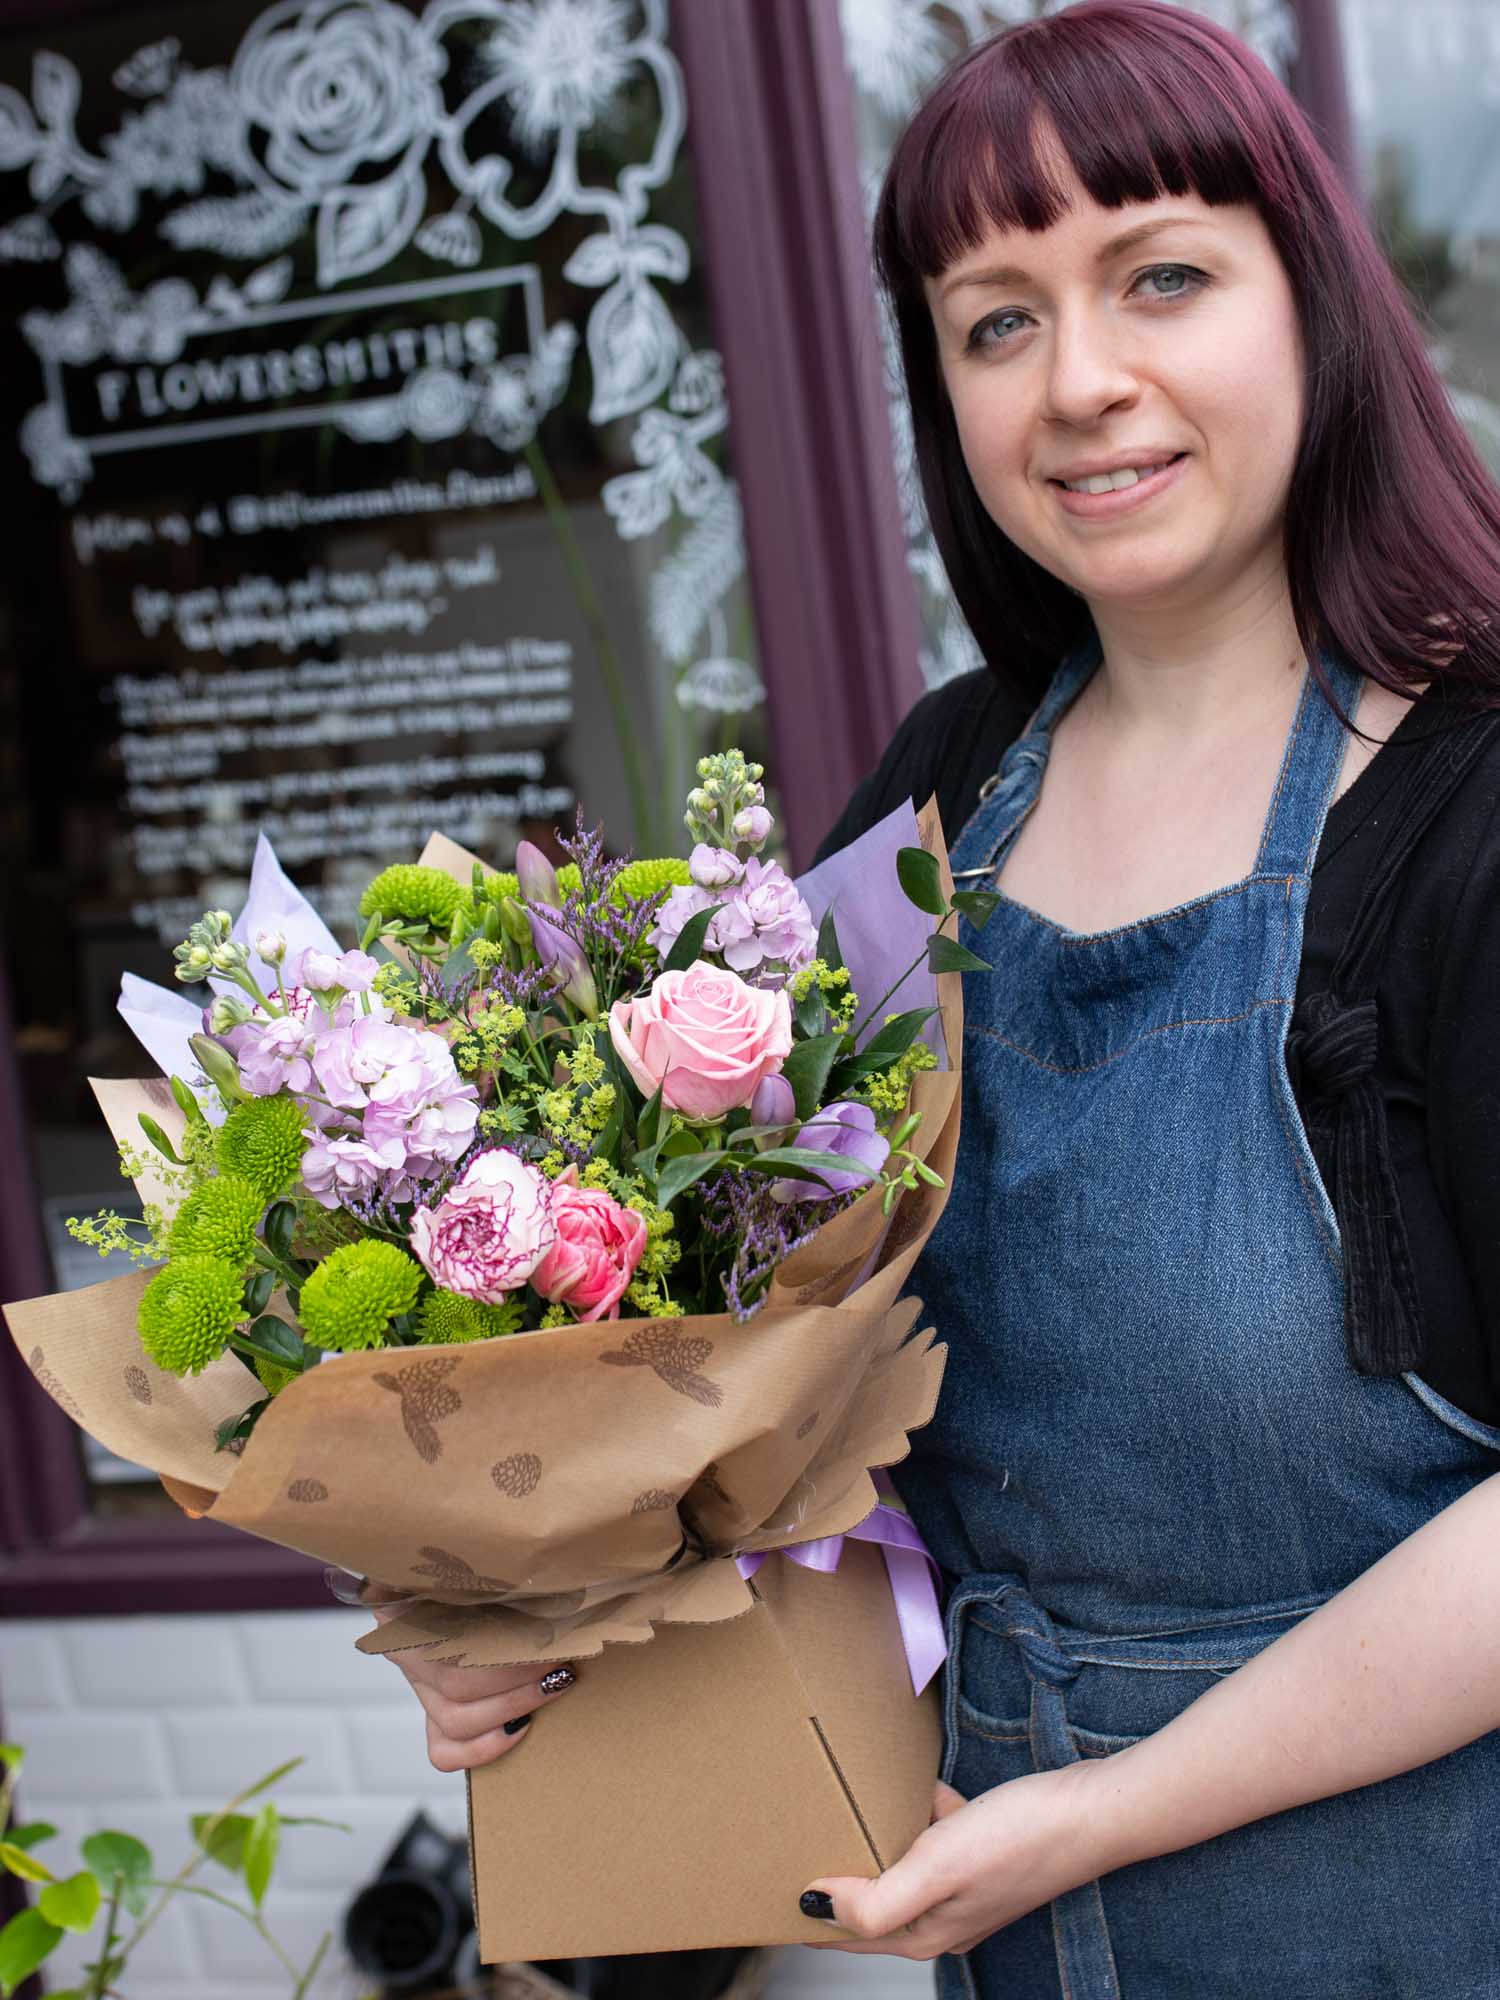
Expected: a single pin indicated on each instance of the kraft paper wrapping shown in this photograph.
(540, 1495)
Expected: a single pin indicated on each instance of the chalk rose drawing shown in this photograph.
(331, 122)
(895, 50)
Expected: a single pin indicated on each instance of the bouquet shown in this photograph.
(538, 1260)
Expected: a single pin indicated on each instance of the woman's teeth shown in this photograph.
(1113, 482)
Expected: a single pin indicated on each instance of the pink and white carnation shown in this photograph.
(704, 1037)
(599, 1244)
(487, 1235)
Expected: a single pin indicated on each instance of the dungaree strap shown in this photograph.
(1310, 767)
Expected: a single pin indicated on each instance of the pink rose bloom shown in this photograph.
(705, 1037)
(598, 1246)
(490, 1230)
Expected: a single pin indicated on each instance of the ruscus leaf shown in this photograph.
(946, 954)
(978, 905)
(921, 880)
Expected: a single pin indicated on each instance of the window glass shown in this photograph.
(366, 471)
(1424, 88)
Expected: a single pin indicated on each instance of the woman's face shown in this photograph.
(1159, 339)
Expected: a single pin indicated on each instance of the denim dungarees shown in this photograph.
(1151, 1456)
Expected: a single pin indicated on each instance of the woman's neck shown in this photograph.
(1201, 670)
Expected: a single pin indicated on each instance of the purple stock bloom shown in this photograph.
(847, 1130)
(682, 904)
(764, 919)
(712, 867)
(322, 971)
(341, 1170)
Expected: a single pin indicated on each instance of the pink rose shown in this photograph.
(705, 1037)
(598, 1246)
(490, 1230)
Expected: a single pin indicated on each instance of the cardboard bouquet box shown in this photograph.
(617, 1494)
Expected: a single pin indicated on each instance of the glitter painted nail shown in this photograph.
(557, 1680)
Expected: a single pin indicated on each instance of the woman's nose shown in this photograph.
(1089, 372)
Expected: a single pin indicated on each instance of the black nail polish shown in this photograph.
(816, 1904)
(515, 1728)
(557, 1680)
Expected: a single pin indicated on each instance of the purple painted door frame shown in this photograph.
(784, 250)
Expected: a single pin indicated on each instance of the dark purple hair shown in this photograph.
(1392, 536)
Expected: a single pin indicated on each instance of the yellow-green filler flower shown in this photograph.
(188, 1311)
(355, 1293)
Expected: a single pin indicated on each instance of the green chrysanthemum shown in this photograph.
(188, 1311)
(261, 1142)
(415, 894)
(644, 878)
(446, 1318)
(355, 1293)
(505, 883)
(219, 1220)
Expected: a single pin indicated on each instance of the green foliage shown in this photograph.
(189, 1311)
(921, 880)
(118, 1877)
(261, 1142)
(351, 1298)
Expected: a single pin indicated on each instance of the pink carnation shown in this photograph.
(490, 1230)
(599, 1244)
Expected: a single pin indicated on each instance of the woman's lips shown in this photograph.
(1106, 506)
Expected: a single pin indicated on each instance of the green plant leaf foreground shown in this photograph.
(921, 880)
(945, 954)
(26, 1940)
(72, 1905)
(32, 1835)
(262, 1843)
(18, 1862)
(120, 1856)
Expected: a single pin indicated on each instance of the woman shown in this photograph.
(1213, 1471)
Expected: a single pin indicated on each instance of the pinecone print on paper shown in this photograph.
(138, 1385)
(307, 1492)
(708, 1479)
(807, 1424)
(654, 1500)
(806, 1294)
(675, 1359)
(451, 1572)
(54, 1388)
(517, 1475)
(426, 1399)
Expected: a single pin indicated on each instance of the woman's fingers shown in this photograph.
(466, 1721)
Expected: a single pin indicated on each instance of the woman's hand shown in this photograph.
(978, 1867)
(476, 1714)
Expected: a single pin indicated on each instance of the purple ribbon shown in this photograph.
(914, 1582)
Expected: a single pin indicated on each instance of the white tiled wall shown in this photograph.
(138, 1722)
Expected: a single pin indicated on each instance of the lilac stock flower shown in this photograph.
(340, 1170)
(847, 1130)
(753, 826)
(422, 1102)
(276, 1054)
(764, 919)
(682, 904)
(322, 972)
(713, 867)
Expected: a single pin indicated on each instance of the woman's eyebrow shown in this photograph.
(1015, 274)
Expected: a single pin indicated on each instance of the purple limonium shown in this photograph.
(764, 921)
(848, 1131)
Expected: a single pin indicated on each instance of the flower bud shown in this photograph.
(563, 957)
(230, 957)
(537, 877)
(513, 921)
(753, 825)
(772, 1104)
(270, 946)
(221, 1069)
(699, 801)
(713, 867)
(228, 1011)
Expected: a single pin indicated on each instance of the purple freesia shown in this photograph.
(846, 1130)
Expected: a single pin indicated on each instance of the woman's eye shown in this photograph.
(1170, 281)
(1002, 325)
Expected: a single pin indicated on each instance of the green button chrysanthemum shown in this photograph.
(355, 1293)
(219, 1220)
(416, 894)
(261, 1142)
(644, 878)
(446, 1319)
(188, 1312)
